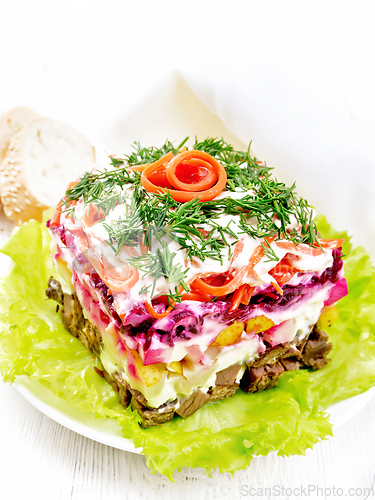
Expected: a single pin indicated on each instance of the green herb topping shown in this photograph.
(266, 210)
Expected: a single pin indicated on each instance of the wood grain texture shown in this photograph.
(42, 460)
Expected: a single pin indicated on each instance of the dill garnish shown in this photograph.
(266, 208)
(160, 265)
(149, 155)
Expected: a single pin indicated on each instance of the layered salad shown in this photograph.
(192, 273)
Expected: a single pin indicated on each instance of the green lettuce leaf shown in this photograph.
(224, 435)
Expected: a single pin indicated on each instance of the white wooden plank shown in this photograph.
(42, 460)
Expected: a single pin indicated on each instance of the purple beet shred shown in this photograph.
(184, 322)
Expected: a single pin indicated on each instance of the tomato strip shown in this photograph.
(144, 248)
(332, 244)
(150, 308)
(158, 163)
(256, 257)
(115, 281)
(55, 219)
(236, 252)
(241, 296)
(284, 270)
(309, 250)
(184, 196)
(92, 214)
(200, 297)
(237, 298)
(277, 287)
(230, 287)
(246, 294)
(151, 311)
(218, 291)
(205, 182)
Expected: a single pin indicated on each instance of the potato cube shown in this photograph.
(259, 324)
(176, 366)
(230, 335)
(150, 373)
(328, 316)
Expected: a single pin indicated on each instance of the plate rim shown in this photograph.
(40, 397)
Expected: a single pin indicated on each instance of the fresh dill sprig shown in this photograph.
(100, 187)
(148, 155)
(125, 231)
(267, 208)
(269, 252)
(160, 264)
(242, 169)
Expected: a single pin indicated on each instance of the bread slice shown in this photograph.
(10, 122)
(42, 158)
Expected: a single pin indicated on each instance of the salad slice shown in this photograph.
(191, 274)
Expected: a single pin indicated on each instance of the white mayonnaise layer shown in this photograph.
(97, 237)
(291, 326)
(63, 273)
(291, 323)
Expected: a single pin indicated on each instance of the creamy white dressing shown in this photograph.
(238, 194)
(173, 385)
(63, 274)
(291, 323)
(296, 322)
(98, 235)
(203, 376)
(317, 263)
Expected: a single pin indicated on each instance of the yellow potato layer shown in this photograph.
(328, 316)
(230, 335)
(259, 324)
(150, 373)
(176, 366)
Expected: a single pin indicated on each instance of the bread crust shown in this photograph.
(20, 204)
(10, 122)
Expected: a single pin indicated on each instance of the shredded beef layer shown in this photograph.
(261, 374)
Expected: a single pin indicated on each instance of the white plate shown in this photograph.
(106, 431)
(109, 432)
(177, 113)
